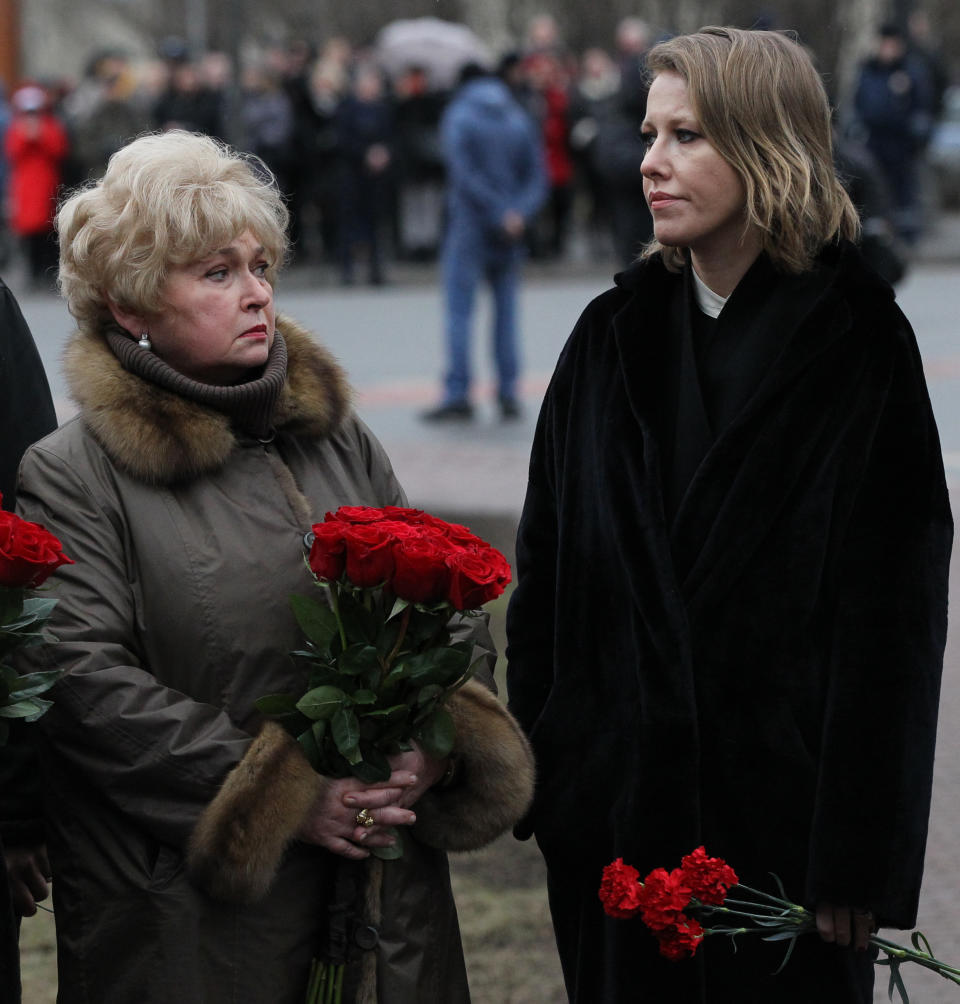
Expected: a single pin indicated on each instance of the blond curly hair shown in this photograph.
(166, 199)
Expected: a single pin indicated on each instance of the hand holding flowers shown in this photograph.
(704, 896)
(382, 664)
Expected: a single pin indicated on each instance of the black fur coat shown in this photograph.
(761, 675)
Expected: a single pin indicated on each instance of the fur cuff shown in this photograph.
(240, 839)
(496, 776)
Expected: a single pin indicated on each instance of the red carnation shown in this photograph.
(709, 878)
(620, 890)
(680, 940)
(664, 897)
(28, 552)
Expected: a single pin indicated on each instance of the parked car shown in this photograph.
(944, 151)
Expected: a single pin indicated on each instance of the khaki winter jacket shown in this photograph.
(187, 540)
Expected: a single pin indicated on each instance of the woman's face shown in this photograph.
(696, 198)
(217, 319)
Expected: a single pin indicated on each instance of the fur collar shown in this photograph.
(160, 438)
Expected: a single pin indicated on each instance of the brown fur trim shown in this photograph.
(317, 396)
(496, 776)
(160, 438)
(239, 841)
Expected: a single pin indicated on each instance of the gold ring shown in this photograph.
(365, 818)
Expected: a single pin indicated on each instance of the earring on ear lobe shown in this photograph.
(145, 342)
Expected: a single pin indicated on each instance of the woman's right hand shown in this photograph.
(332, 822)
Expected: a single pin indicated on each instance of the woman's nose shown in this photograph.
(652, 164)
(257, 292)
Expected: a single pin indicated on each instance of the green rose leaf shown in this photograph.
(276, 704)
(345, 731)
(37, 609)
(311, 748)
(359, 623)
(321, 702)
(364, 697)
(429, 693)
(359, 659)
(29, 709)
(317, 621)
(437, 734)
(31, 684)
(373, 767)
(438, 665)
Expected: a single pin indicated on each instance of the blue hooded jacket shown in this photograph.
(494, 159)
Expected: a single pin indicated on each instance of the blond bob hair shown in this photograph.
(166, 199)
(761, 103)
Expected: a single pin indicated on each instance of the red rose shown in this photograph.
(328, 551)
(663, 898)
(398, 529)
(420, 573)
(28, 552)
(453, 531)
(369, 554)
(681, 940)
(402, 513)
(620, 890)
(355, 514)
(476, 576)
(708, 878)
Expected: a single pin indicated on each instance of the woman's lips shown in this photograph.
(661, 200)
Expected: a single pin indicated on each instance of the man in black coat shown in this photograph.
(28, 415)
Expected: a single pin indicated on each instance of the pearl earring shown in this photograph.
(145, 342)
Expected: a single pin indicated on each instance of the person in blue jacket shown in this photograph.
(496, 183)
(894, 103)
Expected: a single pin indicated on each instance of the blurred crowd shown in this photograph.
(355, 143)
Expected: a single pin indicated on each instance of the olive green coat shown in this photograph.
(188, 541)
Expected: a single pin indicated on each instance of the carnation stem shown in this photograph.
(896, 951)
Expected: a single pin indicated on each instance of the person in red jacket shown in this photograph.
(35, 145)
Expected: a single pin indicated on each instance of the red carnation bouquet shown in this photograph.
(704, 896)
(29, 554)
(380, 657)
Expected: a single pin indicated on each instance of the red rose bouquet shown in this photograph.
(29, 554)
(704, 896)
(381, 662)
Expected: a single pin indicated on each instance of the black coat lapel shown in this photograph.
(635, 488)
(758, 459)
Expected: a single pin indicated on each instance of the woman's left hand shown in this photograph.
(845, 925)
(428, 772)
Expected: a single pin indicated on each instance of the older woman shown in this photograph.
(210, 434)
(730, 615)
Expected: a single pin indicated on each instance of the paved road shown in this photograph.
(389, 340)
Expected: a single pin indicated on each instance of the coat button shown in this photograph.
(366, 937)
(308, 539)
